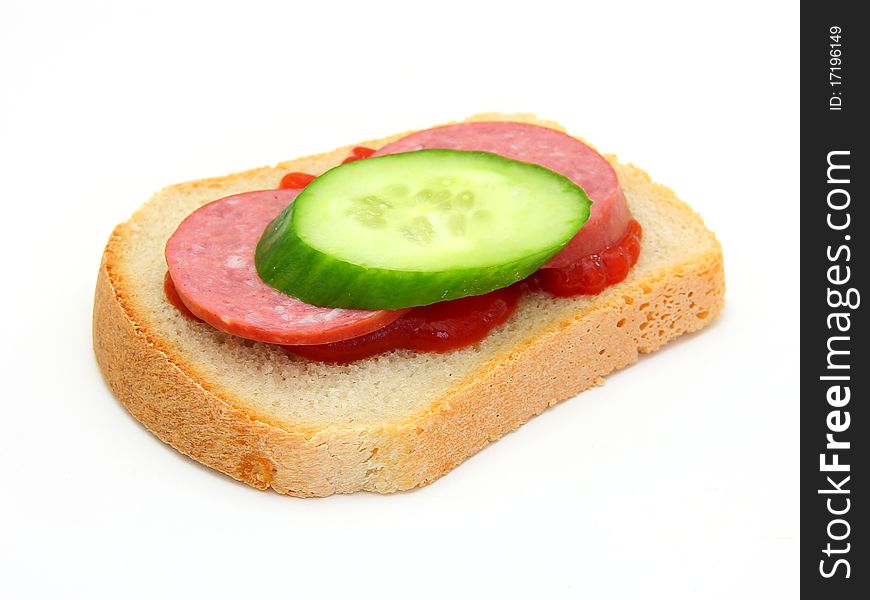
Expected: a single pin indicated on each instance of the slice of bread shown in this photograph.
(401, 419)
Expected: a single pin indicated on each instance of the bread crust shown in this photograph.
(161, 389)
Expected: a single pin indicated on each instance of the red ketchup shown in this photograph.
(591, 274)
(295, 181)
(357, 153)
(438, 327)
(458, 323)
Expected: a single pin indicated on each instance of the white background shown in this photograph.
(677, 479)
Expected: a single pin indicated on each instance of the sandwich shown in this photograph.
(370, 317)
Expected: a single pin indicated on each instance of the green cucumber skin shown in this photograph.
(286, 262)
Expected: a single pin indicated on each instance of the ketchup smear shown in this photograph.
(438, 327)
(295, 181)
(591, 274)
(458, 323)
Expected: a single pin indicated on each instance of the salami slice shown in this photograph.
(557, 151)
(211, 262)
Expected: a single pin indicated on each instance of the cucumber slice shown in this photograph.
(417, 228)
